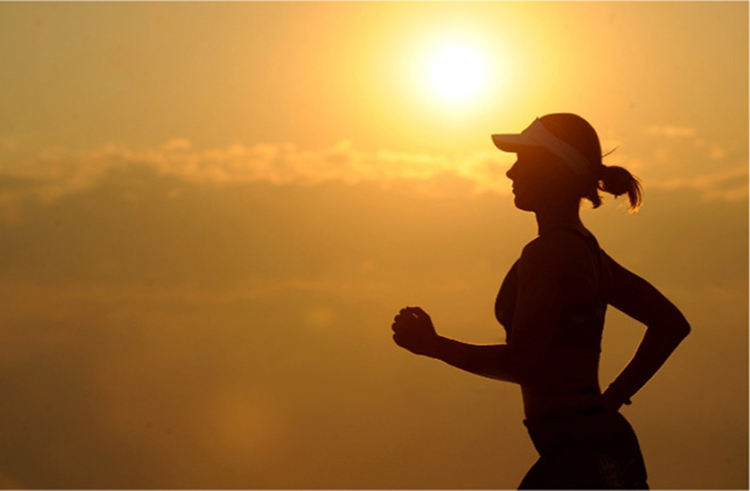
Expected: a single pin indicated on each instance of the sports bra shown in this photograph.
(580, 324)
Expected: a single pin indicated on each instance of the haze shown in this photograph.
(210, 214)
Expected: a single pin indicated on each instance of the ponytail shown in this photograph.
(618, 181)
(578, 133)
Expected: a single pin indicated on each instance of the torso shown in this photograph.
(570, 372)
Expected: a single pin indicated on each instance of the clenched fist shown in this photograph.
(413, 330)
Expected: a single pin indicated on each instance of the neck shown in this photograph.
(558, 217)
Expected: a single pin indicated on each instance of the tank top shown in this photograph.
(580, 324)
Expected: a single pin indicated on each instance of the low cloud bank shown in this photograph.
(676, 157)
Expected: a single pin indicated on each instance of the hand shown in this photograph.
(413, 330)
(612, 401)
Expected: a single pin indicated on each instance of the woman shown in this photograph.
(552, 304)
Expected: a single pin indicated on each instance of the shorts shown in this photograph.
(594, 450)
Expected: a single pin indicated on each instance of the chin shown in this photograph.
(522, 204)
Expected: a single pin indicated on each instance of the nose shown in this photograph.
(512, 171)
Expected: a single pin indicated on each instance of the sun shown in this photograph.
(457, 72)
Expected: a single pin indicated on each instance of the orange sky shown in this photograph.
(210, 213)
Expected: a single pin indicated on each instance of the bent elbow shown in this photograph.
(680, 326)
(683, 329)
(676, 328)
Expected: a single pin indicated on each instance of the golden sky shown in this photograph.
(210, 213)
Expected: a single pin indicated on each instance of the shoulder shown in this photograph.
(562, 260)
(639, 299)
(619, 278)
(549, 254)
(555, 247)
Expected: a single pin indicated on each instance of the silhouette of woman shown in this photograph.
(552, 304)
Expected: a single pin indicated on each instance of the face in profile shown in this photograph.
(540, 180)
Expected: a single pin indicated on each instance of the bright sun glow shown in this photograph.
(457, 72)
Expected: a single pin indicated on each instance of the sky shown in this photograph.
(211, 212)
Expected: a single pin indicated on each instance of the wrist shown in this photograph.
(615, 392)
(436, 347)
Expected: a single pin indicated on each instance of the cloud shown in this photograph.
(670, 131)
(676, 157)
(728, 185)
(55, 172)
(671, 137)
(177, 144)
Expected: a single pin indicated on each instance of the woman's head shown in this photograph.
(560, 158)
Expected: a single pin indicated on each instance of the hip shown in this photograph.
(587, 449)
(580, 429)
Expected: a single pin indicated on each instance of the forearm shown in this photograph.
(492, 361)
(656, 347)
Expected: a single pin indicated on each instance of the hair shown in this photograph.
(614, 180)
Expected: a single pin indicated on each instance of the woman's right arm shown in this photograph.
(413, 330)
(541, 273)
(666, 327)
